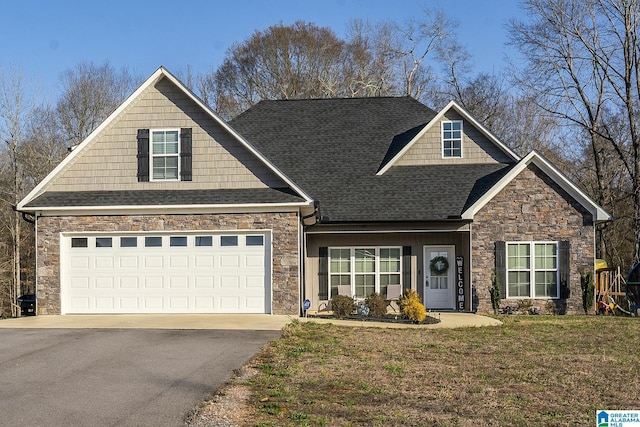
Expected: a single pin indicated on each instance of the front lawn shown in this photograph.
(534, 370)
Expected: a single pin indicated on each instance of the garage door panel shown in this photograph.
(105, 303)
(204, 261)
(80, 282)
(153, 262)
(230, 303)
(202, 277)
(153, 303)
(229, 282)
(204, 282)
(229, 261)
(128, 262)
(104, 261)
(254, 261)
(129, 282)
(104, 282)
(179, 261)
(153, 283)
(80, 303)
(179, 282)
(204, 303)
(80, 262)
(130, 303)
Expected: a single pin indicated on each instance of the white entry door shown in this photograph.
(439, 268)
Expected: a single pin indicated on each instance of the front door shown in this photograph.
(439, 267)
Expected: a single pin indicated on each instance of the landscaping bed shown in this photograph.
(389, 318)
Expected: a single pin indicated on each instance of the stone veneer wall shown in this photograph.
(284, 226)
(532, 208)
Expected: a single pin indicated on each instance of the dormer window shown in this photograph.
(452, 139)
(166, 153)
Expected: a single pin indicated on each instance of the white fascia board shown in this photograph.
(165, 209)
(156, 76)
(599, 214)
(435, 120)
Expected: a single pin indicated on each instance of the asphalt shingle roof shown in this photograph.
(164, 197)
(333, 148)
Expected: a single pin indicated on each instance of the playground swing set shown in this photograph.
(611, 288)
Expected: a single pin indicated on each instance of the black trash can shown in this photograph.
(27, 304)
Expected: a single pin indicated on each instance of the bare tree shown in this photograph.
(90, 93)
(306, 61)
(15, 113)
(583, 56)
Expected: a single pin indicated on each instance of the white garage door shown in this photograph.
(166, 273)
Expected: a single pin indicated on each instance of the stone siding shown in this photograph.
(284, 228)
(532, 208)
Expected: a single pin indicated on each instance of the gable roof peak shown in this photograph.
(438, 117)
(161, 72)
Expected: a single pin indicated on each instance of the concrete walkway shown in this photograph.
(258, 322)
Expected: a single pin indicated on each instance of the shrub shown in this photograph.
(377, 305)
(411, 307)
(494, 291)
(342, 305)
(586, 284)
(525, 305)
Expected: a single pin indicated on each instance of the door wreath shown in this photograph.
(439, 265)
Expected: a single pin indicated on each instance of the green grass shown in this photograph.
(533, 370)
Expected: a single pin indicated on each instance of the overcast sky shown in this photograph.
(44, 37)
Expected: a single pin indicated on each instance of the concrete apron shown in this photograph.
(263, 322)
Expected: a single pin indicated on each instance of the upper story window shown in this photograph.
(165, 149)
(452, 139)
(164, 155)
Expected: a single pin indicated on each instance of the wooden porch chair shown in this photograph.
(393, 293)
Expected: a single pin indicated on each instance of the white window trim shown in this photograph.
(532, 270)
(442, 139)
(352, 273)
(151, 155)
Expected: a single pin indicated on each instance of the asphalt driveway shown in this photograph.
(116, 377)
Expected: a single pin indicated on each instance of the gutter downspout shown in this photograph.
(471, 267)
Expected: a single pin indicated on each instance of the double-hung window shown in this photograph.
(366, 270)
(452, 139)
(165, 154)
(532, 270)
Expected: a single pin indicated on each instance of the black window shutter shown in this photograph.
(143, 155)
(564, 261)
(501, 267)
(323, 273)
(406, 267)
(185, 154)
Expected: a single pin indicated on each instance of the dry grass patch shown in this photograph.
(534, 370)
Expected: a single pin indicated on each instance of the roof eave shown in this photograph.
(230, 207)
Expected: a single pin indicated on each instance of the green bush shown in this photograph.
(411, 307)
(588, 289)
(342, 305)
(494, 291)
(377, 305)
